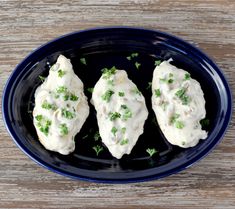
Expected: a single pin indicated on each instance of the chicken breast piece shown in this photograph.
(179, 105)
(121, 111)
(61, 108)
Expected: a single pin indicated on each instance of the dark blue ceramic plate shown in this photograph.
(107, 47)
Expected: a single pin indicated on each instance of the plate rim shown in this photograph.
(187, 164)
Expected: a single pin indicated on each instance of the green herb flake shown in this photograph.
(151, 151)
(90, 90)
(39, 117)
(123, 130)
(41, 78)
(63, 129)
(114, 131)
(61, 89)
(137, 65)
(170, 80)
(83, 61)
(187, 76)
(129, 57)
(107, 95)
(124, 141)
(181, 95)
(135, 54)
(43, 124)
(174, 117)
(157, 92)
(67, 114)
(179, 124)
(96, 135)
(84, 137)
(121, 94)
(98, 149)
(107, 73)
(46, 105)
(73, 97)
(171, 75)
(205, 122)
(127, 114)
(183, 143)
(61, 73)
(123, 106)
(114, 115)
(66, 97)
(157, 62)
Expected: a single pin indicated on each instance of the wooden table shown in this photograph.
(26, 24)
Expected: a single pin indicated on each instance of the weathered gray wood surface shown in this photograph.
(26, 24)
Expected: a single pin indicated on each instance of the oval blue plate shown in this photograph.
(107, 47)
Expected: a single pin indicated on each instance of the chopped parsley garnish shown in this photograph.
(181, 95)
(149, 86)
(187, 76)
(137, 65)
(151, 151)
(157, 62)
(39, 117)
(174, 118)
(133, 55)
(107, 95)
(61, 73)
(123, 130)
(127, 114)
(121, 94)
(73, 97)
(170, 80)
(84, 137)
(63, 129)
(43, 124)
(96, 135)
(114, 131)
(41, 78)
(90, 90)
(205, 122)
(183, 143)
(83, 61)
(123, 106)
(157, 92)
(61, 89)
(97, 149)
(66, 97)
(107, 73)
(179, 124)
(48, 106)
(114, 115)
(67, 114)
(124, 141)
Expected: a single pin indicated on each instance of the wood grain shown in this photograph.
(26, 24)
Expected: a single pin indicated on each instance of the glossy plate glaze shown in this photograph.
(107, 47)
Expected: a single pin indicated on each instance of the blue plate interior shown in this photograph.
(109, 47)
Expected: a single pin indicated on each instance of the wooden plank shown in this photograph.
(26, 24)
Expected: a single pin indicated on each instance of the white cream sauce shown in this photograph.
(179, 104)
(61, 108)
(121, 111)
